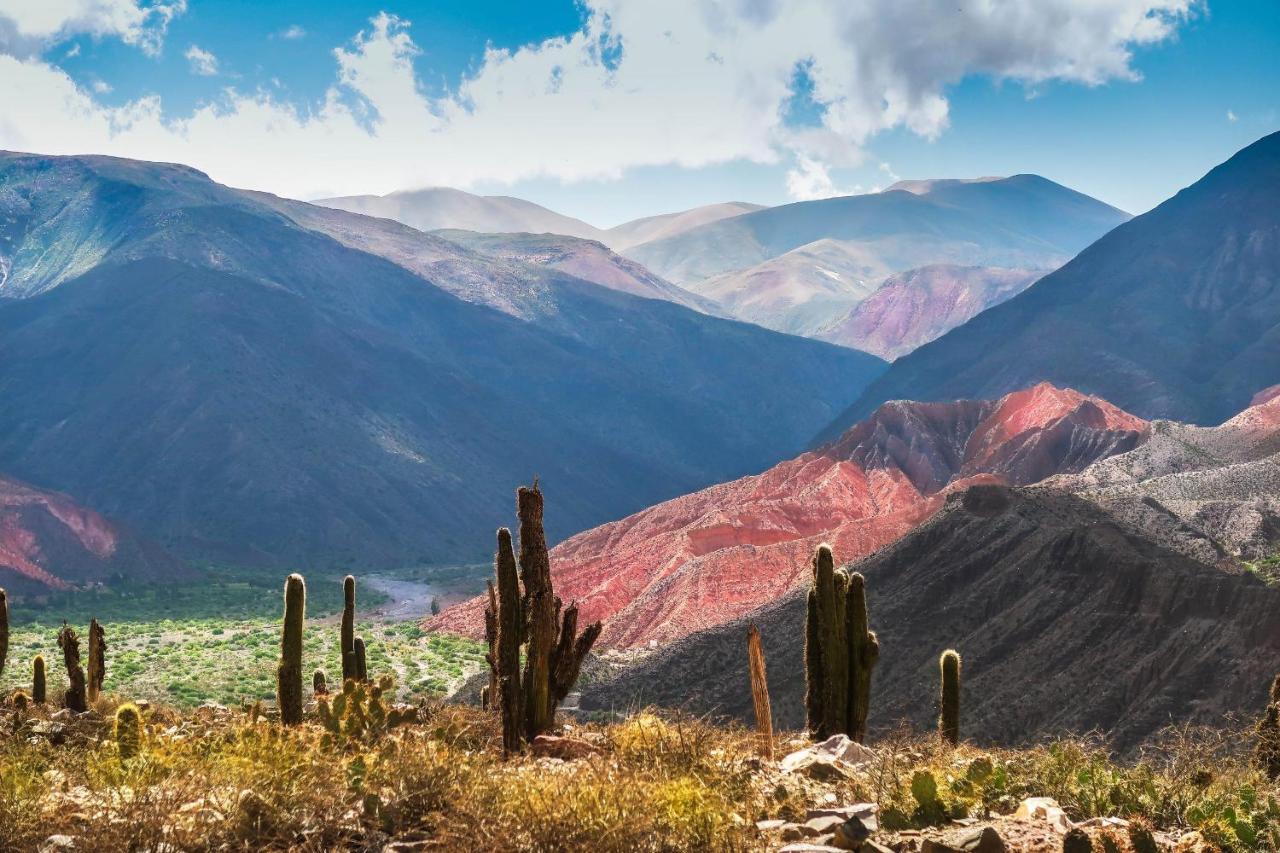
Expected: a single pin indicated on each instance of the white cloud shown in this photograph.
(28, 26)
(1232, 117)
(293, 32)
(202, 62)
(811, 179)
(644, 82)
(101, 87)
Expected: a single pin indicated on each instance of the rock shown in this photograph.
(770, 825)
(61, 716)
(866, 812)
(1046, 809)
(55, 733)
(810, 847)
(831, 759)
(792, 832)
(412, 842)
(933, 845)
(1105, 822)
(850, 834)
(1193, 842)
(984, 840)
(821, 825)
(564, 748)
(873, 846)
(55, 843)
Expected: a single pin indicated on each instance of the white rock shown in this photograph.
(1046, 809)
(837, 749)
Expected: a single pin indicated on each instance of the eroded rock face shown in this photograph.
(700, 560)
(48, 541)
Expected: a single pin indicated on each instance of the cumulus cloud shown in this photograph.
(293, 32)
(643, 82)
(29, 26)
(202, 62)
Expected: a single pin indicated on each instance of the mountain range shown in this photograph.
(259, 380)
(1174, 314)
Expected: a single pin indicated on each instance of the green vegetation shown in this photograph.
(190, 661)
(1266, 568)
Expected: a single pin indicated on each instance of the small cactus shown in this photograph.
(39, 683)
(289, 672)
(362, 664)
(359, 715)
(75, 698)
(949, 701)
(97, 659)
(128, 730)
(347, 639)
(4, 628)
(20, 700)
(319, 684)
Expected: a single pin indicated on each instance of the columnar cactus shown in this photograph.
(75, 698)
(97, 659)
(289, 672)
(128, 730)
(760, 692)
(555, 650)
(840, 651)
(348, 636)
(319, 683)
(4, 628)
(490, 692)
(362, 666)
(949, 701)
(39, 682)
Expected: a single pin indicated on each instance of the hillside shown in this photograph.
(1067, 621)
(637, 231)
(443, 207)
(705, 558)
(48, 541)
(325, 388)
(1175, 314)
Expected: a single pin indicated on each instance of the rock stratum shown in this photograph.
(700, 560)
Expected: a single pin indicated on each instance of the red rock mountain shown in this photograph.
(48, 541)
(710, 556)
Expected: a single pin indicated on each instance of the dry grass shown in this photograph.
(209, 780)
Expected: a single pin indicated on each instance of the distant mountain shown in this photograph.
(1174, 314)
(443, 207)
(1022, 221)
(49, 541)
(588, 260)
(265, 381)
(637, 231)
(705, 558)
(912, 308)
(1066, 607)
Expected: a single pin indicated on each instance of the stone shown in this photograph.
(873, 846)
(1046, 809)
(809, 847)
(821, 825)
(866, 812)
(792, 832)
(563, 748)
(770, 825)
(985, 840)
(850, 834)
(933, 845)
(61, 716)
(55, 843)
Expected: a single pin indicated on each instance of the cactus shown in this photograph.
(97, 659)
(319, 683)
(864, 652)
(39, 684)
(348, 636)
(359, 715)
(490, 691)
(1266, 751)
(74, 698)
(289, 672)
(840, 651)
(555, 650)
(362, 666)
(20, 700)
(760, 692)
(128, 730)
(949, 701)
(4, 628)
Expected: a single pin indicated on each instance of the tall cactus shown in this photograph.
(361, 662)
(347, 638)
(289, 672)
(949, 701)
(4, 628)
(489, 693)
(39, 681)
(864, 652)
(97, 659)
(555, 650)
(75, 697)
(840, 651)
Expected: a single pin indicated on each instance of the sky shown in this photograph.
(614, 109)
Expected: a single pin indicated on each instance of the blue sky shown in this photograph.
(615, 109)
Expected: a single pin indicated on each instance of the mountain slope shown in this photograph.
(588, 260)
(1174, 314)
(260, 380)
(1067, 621)
(1021, 221)
(637, 231)
(443, 207)
(912, 308)
(705, 558)
(48, 541)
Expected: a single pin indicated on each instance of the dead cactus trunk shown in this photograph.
(760, 692)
